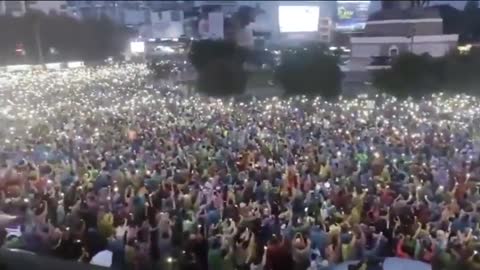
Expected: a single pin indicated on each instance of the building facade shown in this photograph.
(390, 33)
(166, 24)
(47, 7)
(19, 8)
(13, 8)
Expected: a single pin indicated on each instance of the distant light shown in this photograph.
(137, 47)
(75, 64)
(465, 49)
(54, 65)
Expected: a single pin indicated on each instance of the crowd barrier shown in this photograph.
(11, 259)
(392, 263)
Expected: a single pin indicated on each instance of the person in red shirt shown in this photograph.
(387, 196)
(279, 255)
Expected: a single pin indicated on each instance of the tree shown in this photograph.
(387, 5)
(222, 77)
(219, 65)
(452, 19)
(203, 52)
(419, 3)
(471, 15)
(460, 72)
(245, 15)
(410, 76)
(341, 39)
(392, 4)
(73, 39)
(309, 71)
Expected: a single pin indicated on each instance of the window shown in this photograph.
(393, 51)
(175, 15)
(63, 6)
(324, 22)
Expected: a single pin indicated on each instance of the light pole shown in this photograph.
(38, 39)
(412, 35)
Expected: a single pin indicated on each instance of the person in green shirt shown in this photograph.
(215, 257)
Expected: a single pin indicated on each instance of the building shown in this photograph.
(19, 8)
(13, 8)
(166, 24)
(170, 5)
(227, 7)
(47, 7)
(391, 32)
(129, 13)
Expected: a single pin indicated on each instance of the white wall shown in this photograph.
(434, 49)
(365, 50)
(435, 45)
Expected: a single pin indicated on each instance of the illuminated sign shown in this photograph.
(352, 15)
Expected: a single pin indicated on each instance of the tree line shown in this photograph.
(314, 70)
(310, 70)
(58, 37)
(421, 75)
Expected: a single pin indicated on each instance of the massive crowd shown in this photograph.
(97, 159)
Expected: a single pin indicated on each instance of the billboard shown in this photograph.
(352, 15)
(293, 19)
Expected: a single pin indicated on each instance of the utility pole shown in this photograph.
(38, 40)
(412, 36)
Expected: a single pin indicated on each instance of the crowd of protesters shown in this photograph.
(98, 159)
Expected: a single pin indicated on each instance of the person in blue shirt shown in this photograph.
(461, 223)
(318, 236)
(213, 216)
